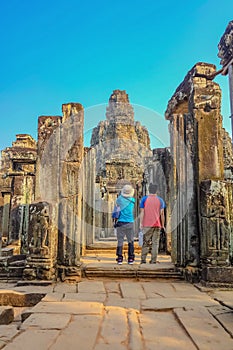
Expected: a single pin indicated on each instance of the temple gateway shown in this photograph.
(57, 196)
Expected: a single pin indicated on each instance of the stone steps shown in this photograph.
(95, 270)
(11, 267)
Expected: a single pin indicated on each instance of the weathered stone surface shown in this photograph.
(157, 304)
(65, 288)
(193, 321)
(115, 327)
(196, 131)
(120, 144)
(46, 128)
(224, 297)
(128, 290)
(42, 321)
(8, 297)
(85, 296)
(172, 336)
(75, 308)
(202, 335)
(225, 45)
(82, 332)
(91, 287)
(178, 103)
(7, 332)
(216, 210)
(125, 303)
(17, 183)
(226, 319)
(227, 155)
(6, 314)
(135, 340)
(167, 290)
(53, 297)
(39, 339)
(119, 138)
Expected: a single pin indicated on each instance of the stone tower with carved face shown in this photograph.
(121, 144)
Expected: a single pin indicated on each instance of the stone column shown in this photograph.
(197, 152)
(225, 47)
(6, 215)
(70, 207)
(88, 231)
(43, 213)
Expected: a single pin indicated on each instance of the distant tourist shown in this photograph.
(125, 223)
(151, 222)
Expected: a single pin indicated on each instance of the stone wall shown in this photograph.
(202, 160)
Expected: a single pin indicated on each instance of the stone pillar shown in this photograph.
(181, 226)
(197, 152)
(6, 215)
(88, 231)
(43, 213)
(70, 190)
(225, 47)
(47, 166)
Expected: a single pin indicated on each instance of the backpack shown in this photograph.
(116, 212)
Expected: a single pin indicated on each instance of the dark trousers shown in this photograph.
(125, 229)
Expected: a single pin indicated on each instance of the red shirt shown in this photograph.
(152, 205)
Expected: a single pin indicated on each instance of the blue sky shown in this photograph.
(55, 52)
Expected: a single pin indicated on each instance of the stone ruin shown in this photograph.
(121, 146)
(57, 195)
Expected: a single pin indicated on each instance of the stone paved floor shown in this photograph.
(122, 314)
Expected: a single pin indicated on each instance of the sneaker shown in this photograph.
(143, 262)
(130, 261)
(152, 262)
(119, 261)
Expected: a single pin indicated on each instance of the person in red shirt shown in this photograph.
(151, 222)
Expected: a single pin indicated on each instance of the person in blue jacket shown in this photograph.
(125, 223)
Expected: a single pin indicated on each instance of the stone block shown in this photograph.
(8, 332)
(6, 314)
(34, 338)
(43, 321)
(18, 299)
(91, 287)
(128, 290)
(208, 334)
(81, 333)
(100, 298)
(7, 252)
(74, 308)
(161, 330)
(217, 274)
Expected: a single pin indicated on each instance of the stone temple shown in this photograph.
(56, 195)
